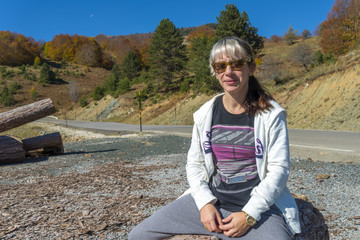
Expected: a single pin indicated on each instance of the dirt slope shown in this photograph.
(329, 102)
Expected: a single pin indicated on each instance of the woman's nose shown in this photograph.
(228, 69)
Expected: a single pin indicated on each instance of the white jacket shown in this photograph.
(272, 159)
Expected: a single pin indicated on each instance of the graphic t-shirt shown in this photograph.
(233, 149)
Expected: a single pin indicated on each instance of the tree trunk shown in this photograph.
(26, 114)
(45, 144)
(11, 150)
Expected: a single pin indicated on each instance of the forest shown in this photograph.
(169, 59)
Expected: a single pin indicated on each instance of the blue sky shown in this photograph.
(42, 19)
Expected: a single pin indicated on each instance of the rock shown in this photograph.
(322, 176)
(312, 222)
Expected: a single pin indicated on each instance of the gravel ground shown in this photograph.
(101, 188)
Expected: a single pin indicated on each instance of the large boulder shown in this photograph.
(312, 223)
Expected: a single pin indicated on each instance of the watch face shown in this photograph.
(250, 221)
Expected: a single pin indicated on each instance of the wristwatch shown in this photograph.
(250, 221)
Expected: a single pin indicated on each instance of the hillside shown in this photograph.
(326, 97)
(330, 101)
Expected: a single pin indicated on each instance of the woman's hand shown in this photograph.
(211, 218)
(234, 225)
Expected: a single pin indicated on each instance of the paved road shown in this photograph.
(313, 144)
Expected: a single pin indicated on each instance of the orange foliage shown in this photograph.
(341, 30)
(16, 49)
(118, 46)
(77, 49)
(201, 32)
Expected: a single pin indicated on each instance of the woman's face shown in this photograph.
(233, 81)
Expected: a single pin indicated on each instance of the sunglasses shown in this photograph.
(235, 65)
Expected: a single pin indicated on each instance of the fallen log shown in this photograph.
(25, 114)
(312, 223)
(48, 144)
(11, 150)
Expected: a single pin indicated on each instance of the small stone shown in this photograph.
(322, 176)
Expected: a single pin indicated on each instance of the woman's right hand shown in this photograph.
(211, 218)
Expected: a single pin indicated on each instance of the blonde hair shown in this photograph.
(232, 47)
(258, 99)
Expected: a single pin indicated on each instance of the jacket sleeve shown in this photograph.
(277, 169)
(197, 174)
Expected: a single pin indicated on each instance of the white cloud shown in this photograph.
(91, 15)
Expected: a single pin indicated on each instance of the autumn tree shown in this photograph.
(276, 38)
(37, 62)
(305, 34)
(233, 23)
(290, 35)
(88, 53)
(76, 49)
(16, 49)
(167, 53)
(302, 54)
(200, 32)
(341, 30)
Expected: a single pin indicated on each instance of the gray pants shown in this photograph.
(183, 217)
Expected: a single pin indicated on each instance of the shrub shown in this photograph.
(33, 94)
(98, 93)
(14, 87)
(46, 74)
(123, 85)
(7, 98)
(185, 86)
(37, 62)
(83, 102)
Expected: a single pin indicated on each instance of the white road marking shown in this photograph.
(322, 148)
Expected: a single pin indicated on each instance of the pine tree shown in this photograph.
(130, 66)
(46, 74)
(124, 85)
(110, 84)
(199, 52)
(233, 23)
(98, 93)
(116, 71)
(167, 52)
(7, 98)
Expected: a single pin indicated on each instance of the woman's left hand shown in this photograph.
(235, 225)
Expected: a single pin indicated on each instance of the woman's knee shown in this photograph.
(135, 233)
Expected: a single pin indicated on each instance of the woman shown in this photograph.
(238, 163)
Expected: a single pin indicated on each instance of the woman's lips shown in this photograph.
(230, 82)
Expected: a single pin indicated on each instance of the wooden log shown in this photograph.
(11, 150)
(26, 114)
(48, 144)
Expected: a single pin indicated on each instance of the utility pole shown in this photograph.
(175, 115)
(140, 112)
